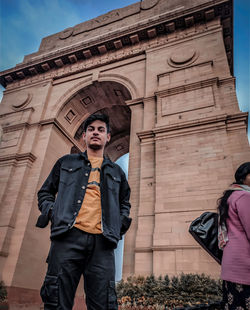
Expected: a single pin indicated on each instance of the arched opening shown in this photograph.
(100, 97)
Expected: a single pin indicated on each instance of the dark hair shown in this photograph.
(239, 176)
(94, 117)
(242, 172)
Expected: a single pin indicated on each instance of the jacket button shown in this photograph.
(69, 225)
(88, 164)
(78, 201)
(83, 187)
(75, 213)
(86, 174)
(70, 169)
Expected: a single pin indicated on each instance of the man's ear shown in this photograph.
(108, 137)
(84, 135)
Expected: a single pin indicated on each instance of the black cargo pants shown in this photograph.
(72, 255)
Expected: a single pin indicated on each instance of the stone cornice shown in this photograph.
(68, 72)
(134, 101)
(143, 31)
(16, 127)
(23, 157)
(228, 122)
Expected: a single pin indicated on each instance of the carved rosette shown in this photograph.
(21, 101)
(183, 57)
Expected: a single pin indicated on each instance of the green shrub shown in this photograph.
(180, 291)
(3, 291)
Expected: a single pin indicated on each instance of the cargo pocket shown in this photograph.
(49, 291)
(112, 298)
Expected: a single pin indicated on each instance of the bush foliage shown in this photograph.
(3, 291)
(180, 291)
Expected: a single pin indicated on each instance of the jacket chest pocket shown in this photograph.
(113, 182)
(69, 175)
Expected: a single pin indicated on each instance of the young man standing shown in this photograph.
(88, 217)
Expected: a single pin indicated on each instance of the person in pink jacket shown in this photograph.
(234, 239)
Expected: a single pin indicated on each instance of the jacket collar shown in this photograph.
(106, 160)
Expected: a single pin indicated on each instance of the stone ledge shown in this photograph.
(229, 122)
(18, 158)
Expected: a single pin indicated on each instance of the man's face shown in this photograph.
(96, 135)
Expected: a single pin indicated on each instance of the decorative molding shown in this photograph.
(70, 116)
(15, 127)
(137, 101)
(183, 58)
(22, 101)
(72, 58)
(187, 87)
(200, 64)
(144, 136)
(143, 250)
(118, 44)
(134, 39)
(87, 54)
(149, 29)
(33, 71)
(98, 61)
(31, 109)
(45, 66)
(237, 121)
(87, 101)
(24, 157)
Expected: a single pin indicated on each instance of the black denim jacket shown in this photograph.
(61, 196)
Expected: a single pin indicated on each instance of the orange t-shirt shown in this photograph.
(90, 215)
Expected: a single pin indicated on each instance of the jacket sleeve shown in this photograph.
(243, 205)
(47, 194)
(124, 205)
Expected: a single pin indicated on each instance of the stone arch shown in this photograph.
(70, 93)
(107, 97)
(103, 77)
(122, 80)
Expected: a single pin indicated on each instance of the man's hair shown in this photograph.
(96, 117)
